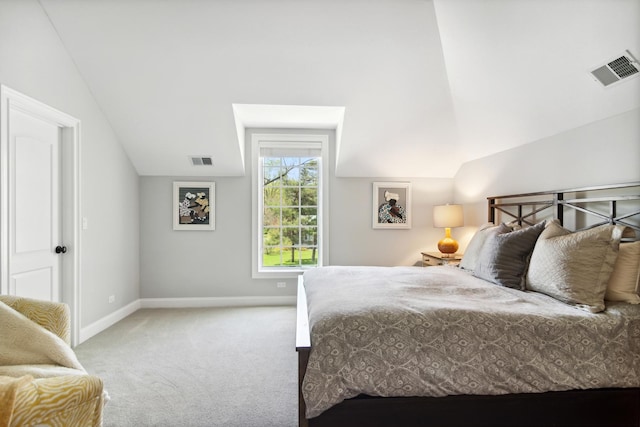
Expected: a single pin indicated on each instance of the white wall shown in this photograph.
(355, 242)
(131, 251)
(603, 152)
(34, 61)
(218, 263)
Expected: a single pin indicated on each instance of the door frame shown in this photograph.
(69, 197)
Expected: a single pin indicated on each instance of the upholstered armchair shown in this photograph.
(51, 388)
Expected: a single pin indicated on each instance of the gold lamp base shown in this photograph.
(447, 245)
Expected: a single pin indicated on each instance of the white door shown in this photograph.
(36, 140)
(35, 249)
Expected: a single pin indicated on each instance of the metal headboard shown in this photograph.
(587, 206)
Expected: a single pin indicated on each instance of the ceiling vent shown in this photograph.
(201, 160)
(617, 70)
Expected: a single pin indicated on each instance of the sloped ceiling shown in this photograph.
(414, 87)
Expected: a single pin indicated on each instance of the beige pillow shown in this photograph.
(623, 284)
(574, 267)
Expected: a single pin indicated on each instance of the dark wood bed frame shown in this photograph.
(597, 407)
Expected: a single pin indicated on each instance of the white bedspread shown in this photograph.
(411, 331)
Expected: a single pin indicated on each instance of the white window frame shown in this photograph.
(285, 140)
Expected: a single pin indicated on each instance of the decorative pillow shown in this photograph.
(574, 267)
(514, 225)
(474, 248)
(624, 281)
(504, 257)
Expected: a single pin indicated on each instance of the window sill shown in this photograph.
(279, 274)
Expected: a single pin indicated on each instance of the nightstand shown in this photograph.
(437, 258)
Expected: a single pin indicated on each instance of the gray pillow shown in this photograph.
(504, 257)
(474, 248)
(574, 267)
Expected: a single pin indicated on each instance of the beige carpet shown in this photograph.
(198, 367)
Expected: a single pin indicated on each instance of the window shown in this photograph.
(289, 203)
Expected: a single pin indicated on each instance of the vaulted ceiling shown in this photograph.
(414, 87)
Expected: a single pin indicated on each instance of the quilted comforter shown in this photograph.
(411, 331)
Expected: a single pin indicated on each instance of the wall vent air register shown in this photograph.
(201, 160)
(617, 70)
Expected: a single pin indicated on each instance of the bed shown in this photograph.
(485, 346)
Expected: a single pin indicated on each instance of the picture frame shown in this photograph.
(391, 208)
(194, 205)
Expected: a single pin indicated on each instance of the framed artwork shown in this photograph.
(391, 205)
(194, 205)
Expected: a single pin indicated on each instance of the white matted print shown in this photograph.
(194, 205)
(391, 205)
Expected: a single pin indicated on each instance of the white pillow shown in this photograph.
(574, 267)
(624, 281)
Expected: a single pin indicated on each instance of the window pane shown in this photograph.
(308, 216)
(272, 162)
(271, 237)
(290, 216)
(309, 197)
(271, 195)
(309, 236)
(271, 217)
(309, 174)
(290, 256)
(270, 174)
(290, 236)
(271, 257)
(291, 197)
(309, 256)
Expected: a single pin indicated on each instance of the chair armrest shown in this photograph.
(64, 400)
(53, 316)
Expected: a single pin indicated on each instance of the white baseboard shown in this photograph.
(113, 318)
(216, 302)
(109, 320)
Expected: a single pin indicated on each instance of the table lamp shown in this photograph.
(448, 216)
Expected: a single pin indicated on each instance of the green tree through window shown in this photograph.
(290, 211)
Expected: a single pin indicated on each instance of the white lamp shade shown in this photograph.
(448, 216)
